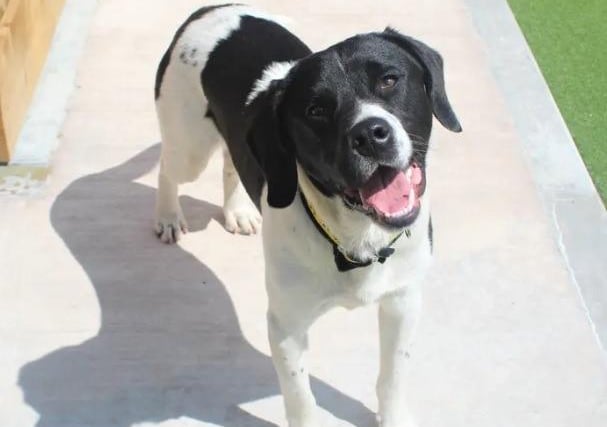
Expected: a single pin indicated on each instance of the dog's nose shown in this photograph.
(367, 136)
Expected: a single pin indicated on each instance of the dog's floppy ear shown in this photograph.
(272, 147)
(434, 76)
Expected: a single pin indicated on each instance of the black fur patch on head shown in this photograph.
(434, 76)
(328, 88)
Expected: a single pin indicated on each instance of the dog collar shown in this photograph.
(343, 261)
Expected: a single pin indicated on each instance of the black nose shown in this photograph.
(368, 135)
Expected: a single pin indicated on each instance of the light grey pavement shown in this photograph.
(564, 185)
(100, 325)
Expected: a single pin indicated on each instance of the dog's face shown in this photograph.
(357, 118)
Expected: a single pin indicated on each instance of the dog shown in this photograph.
(331, 148)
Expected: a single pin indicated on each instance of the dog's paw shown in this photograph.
(170, 228)
(242, 218)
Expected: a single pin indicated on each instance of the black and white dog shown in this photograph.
(331, 147)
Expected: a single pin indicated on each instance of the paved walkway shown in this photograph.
(100, 325)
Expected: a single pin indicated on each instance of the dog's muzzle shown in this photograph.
(371, 136)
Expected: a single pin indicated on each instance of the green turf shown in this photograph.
(569, 41)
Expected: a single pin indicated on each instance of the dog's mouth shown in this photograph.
(391, 196)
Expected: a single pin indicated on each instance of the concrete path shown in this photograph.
(100, 325)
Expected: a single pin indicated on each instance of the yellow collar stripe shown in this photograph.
(332, 236)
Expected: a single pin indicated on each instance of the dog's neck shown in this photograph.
(356, 233)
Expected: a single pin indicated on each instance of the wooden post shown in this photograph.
(26, 31)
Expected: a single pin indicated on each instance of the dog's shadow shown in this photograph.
(169, 345)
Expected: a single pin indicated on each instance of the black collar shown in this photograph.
(343, 261)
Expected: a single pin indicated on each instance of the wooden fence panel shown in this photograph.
(26, 30)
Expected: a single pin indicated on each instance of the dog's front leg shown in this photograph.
(398, 316)
(289, 341)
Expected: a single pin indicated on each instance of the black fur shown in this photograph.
(272, 147)
(253, 133)
(434, 76)
(336, 80)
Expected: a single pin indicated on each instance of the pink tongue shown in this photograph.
(387, 191)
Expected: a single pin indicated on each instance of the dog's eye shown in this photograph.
(388, 82)
(315, 111)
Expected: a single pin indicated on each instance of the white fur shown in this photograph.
(303, 283)
(302, 280)
(274, 71)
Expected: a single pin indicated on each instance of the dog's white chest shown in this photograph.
(300, 260)
(367, 285)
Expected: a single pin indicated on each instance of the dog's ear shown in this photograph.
(434, 76)
(271, 145)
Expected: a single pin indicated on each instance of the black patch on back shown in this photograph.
(166, 58)
(228, 77)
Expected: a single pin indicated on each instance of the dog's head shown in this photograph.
(357, 118)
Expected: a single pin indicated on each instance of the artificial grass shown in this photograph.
(569, 41)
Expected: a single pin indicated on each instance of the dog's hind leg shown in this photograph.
(241, 215)
(189, 139)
